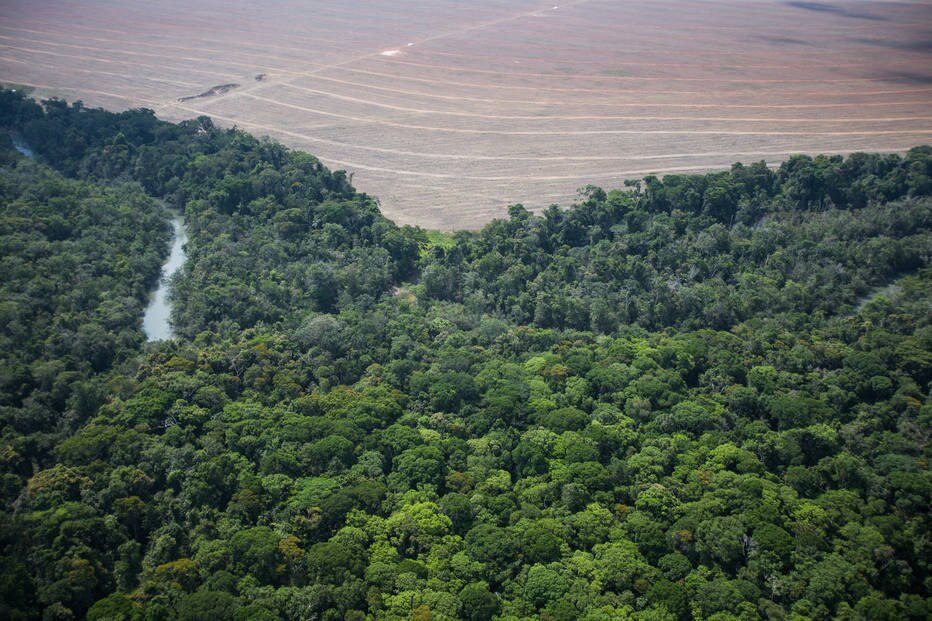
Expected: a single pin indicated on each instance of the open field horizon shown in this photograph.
(448, 112)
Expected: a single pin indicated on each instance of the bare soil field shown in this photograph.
(449, 111)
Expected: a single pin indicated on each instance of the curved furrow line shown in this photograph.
(133, 99)
(637, 63)
(188, 48)
(121, 52)
(413, 173)
(226, 29)
(673, 132)
(115, 62)
(530, 102)
(479, 85)
(338, 43)
(529, 158)
(610, 27)
(594, 117)
(33, 63)
(578, 76)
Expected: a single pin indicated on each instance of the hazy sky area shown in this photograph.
(448, 111)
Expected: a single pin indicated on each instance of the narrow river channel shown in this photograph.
(155, 323)
(22, 148)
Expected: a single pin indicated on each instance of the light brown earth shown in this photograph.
(448, 111)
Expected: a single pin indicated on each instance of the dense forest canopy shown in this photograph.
(700, 397)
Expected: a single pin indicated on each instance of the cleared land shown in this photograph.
(448, 111)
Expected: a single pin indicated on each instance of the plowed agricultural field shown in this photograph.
(449, 110)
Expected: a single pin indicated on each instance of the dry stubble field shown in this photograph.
(448, 111)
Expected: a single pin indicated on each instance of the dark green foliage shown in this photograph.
(479, 604)
(334, 563)
(207, 606)
(703, 399)
(114, 607)
(667, 257)
(251, 206)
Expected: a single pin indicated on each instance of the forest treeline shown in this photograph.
(703, 397)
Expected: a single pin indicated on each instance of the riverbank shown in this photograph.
(156, 322)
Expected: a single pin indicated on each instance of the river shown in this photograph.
(155, 323)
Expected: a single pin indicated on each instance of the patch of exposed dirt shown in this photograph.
(212, 92)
